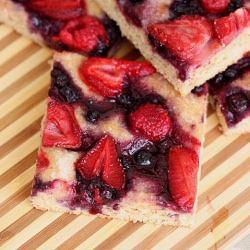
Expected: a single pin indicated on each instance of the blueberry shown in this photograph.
(144, 158)
(218, 79)
(198, 90)
(165, 145)
(153, 98)
(108, 193)
(59, 76)
(113, 33)
(69, 94)
(237, 103)
(92, 116)
(231, 72)
(126, 162)
(129, 100)
(62, 88)
(45, 26)
(186, 7)
(99, 50)
(125, 98)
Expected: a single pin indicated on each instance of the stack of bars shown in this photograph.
(121, 138)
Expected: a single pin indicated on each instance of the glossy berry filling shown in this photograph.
(49, 28)
(140, 158)
(235, 101)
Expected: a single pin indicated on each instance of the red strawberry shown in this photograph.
(185, 37)
(151, 121)
(57, 9)
(105, 75)
(227, 28)
(83, 33)
(90, 165)
(182, 176)
(97, 196)
(103, 160)
(215, 6)
(61, 127)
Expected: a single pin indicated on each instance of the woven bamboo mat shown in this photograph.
(223, 208)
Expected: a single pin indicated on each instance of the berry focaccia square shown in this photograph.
(71, 25)
(230, 97)
(188, 42)
(118, 141)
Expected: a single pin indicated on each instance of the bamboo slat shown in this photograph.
(223, 208)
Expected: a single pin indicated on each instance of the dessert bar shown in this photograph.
(230, 97)
(72, 25)
(117, 141)
(188, 42)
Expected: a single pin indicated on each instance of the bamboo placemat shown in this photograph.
(223, 208)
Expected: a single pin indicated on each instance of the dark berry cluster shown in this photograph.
(235, 100)
(107, 193)
(194, 7)
(238, 102)
(186, 7)
(62, 88)
(232, 72)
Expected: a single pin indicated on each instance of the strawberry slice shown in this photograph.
(151, 121)
(215, 6)
(83, 34)
(106, 75)
(185, 37)
(102, 160)
(57, 9)
(97, 196)
(61, 128)
(229, 27)
(182, 176)
(90, 165)
(113, 173)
